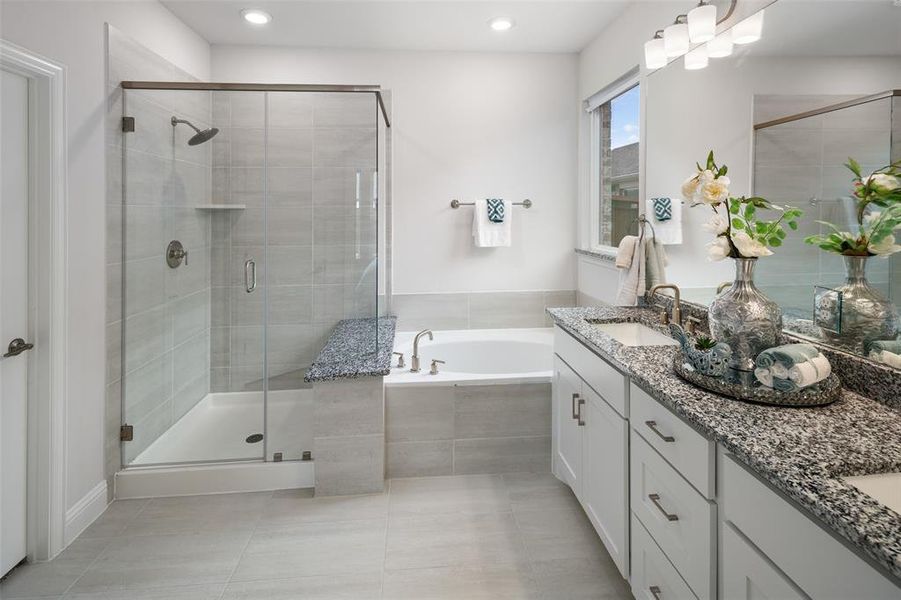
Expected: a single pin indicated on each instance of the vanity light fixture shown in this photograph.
(654, 54)
(675, 37)
(749, 30)
(721, 45)
(256, 16)
(696, 59)
(501, 23)
(702, 23)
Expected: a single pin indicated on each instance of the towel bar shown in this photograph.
(457, 204)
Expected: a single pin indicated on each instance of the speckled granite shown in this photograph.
(599, 255)
(356, 348)
(801, 451)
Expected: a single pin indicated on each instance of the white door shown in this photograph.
(13, 314)
(567, 433)
(605, 479)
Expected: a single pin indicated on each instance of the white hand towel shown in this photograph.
(764, 376)
(779, 370)
(667, 232)
(824, 369)
(487, 234)
(889, 358)
(804, 374)
(632, 281)
(626, 251)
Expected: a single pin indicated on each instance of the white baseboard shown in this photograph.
(85, 512)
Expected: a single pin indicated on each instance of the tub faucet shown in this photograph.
(677, 304)
(414, 360)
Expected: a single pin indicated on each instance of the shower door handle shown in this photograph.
(250, 275)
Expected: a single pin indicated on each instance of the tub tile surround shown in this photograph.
(517, 535)
(460, 429)
(477, 310)
(801, 452)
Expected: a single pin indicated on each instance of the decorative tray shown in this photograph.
(819, 394)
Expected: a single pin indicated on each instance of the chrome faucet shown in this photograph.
(414, 360)
(677, 304)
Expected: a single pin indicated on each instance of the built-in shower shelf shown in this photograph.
(221, 206)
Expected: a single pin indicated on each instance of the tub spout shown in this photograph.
(414, 360)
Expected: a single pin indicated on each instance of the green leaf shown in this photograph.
(775, 242)
(760, 226)
(793, 225)
(854, 166)
(749, 212)
(738, 224)
(710, 164)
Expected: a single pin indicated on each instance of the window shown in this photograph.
(615, 167)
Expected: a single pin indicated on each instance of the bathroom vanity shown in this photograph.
(698, 496)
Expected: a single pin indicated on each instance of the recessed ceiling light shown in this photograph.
(256, 16)
(501, 23)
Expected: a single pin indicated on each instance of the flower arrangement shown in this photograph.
(875, 233)
(739, 230)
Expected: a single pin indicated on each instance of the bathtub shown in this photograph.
(477, 356)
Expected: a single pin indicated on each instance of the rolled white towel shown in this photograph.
(824, 368)
(626, 251)
(764, 376)
(804, 374)
(888, 358)
(779, 370)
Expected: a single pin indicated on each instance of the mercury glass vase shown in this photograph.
(865, 314)
(746, 319)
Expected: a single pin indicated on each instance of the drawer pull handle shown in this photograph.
(655, 591)
(575, 411)
(655, 498)
(581, 404)
(652, 425)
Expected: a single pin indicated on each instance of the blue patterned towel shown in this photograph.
(663, 209)
(496, 210)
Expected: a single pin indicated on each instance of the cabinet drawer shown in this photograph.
(818, 563)
(681, 521)
(594, 370)
(688, 451)
(748, 575)
(653, 576)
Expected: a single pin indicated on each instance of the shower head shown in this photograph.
(201, 136)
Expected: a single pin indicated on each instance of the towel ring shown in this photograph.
(642, 220)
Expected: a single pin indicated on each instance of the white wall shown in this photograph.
(72, 33)
(464, 125)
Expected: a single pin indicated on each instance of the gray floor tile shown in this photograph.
(185, 592)
(289, 507)
(350, 586)
(55, 577)
(114, 520)
(539, 491)
(550, 535)
(187, 514)
(314, 549)
(470, 494)
(581, 579)
(514, 582)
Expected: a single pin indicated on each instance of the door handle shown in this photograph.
(579, 418)
(17, 347)
(250, 275)
(655, 591)
(655, 498)
(652, 425)
(575, 413)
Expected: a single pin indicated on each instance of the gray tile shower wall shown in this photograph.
(477, 310)
(315, 165)
(154, 180)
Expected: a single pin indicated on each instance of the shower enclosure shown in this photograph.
(252, 223)
(801, 146)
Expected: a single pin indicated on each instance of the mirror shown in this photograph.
(785, 113)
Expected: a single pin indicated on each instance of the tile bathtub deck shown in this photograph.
(463, 537)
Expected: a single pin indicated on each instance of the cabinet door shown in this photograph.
(605, 483)
(749, 576)
(567, 432)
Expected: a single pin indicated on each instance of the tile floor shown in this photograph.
(498, 537)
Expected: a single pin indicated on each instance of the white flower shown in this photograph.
(717, 224)
(718, 249)
(690, 188)
(885, 248)
(881, 182)
(715, 191)
(748, 247)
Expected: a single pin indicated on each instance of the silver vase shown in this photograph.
(863, 314)
(746, 319)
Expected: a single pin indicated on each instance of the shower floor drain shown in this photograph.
(254, 438)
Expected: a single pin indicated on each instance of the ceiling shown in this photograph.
(541, 26)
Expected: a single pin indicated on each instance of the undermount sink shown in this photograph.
(635, 334)
(884, 488)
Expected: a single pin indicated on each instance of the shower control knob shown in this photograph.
(175, 254)
(434, 369)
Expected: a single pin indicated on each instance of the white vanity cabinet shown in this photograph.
(590, 446)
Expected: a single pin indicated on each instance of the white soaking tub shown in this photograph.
(477, 356)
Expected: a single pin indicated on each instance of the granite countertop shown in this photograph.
(356, 348)
(801, 451)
